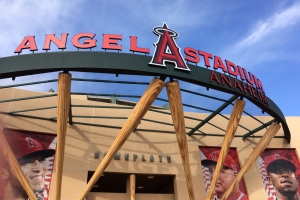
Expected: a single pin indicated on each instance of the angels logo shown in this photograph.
(166, 49)
(277, 156)
(213, 156)
(31, 142)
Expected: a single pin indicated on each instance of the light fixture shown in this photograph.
(95, 186)
(140, 187)
(150, 177)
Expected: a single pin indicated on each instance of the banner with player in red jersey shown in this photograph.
(280, 171)
(35, 155)
(209, 157)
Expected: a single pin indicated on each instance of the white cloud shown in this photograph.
(276, 22)
(21, 18)
(30, 17)
(268, 41)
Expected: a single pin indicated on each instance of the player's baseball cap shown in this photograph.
(213, 157)
(275, 162)
(22, 145)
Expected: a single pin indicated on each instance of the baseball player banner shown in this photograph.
(35, 155)
(280, 172)
(209, 157)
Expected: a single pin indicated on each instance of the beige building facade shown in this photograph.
(151, 149)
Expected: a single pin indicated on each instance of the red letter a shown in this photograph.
(166, 49)
(27, 43)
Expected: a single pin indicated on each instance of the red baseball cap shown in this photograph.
(213, 157)
(275, 162)
(22, 145)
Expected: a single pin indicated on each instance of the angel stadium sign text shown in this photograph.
(166, 51)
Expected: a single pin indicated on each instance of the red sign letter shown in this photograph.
(86, 43)
(61, 44)
(258, 84)
(218, 63)
(27, 43)
(191, 55)
(134, 48)
(166, 49)
(111, 42)
(248, 76)
(213, 76)
(241, 72)
(206, 57)
(231, 66)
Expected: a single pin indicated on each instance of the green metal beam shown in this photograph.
(106, 95)
(136, 96)
(27, 98)
(238, 125)
(183, 90)
(121, 63)
(27, 116)
(110, 117)
(253, 117)
(34, 109)
(203, 95)
(160, 111)
(144, 83)
(119, 127)
(98, 117)
(200, 120)
(213, 114)
(220, 135)
(113, 107)
(110, 81)
(196, 107)
(30, 83)
(158, 122)
(258, 129)
(130, 107)
(53, 119)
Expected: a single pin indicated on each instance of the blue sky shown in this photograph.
(261, 36)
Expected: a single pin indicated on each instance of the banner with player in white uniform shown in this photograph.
(280, 172)
(35, 154)
(209, 157)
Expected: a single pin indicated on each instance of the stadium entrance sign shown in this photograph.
(166, 50)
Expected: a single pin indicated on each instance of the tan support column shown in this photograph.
(175, 101)
(132, 122)
(63, 106)
(13, 163)
(260, 147)
(232, 125)
(132, 186)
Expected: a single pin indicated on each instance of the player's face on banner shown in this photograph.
(280, 173)
(34, 170)
(284, 181)
(225, 179)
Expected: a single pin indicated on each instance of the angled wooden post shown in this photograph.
(260, 147)
(63, 107)
(13, 163)
(175, 101)
(132, 122)
(132, 186)
(232, 125)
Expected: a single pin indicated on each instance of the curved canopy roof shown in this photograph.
(137, 65)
